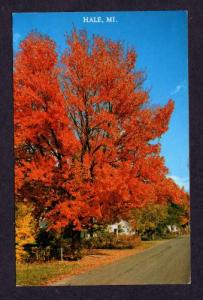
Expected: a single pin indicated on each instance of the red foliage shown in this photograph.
(83, 132)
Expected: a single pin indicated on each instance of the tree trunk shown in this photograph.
(76, 243)
(61, 253)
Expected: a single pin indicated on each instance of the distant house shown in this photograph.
(122, 227)
(173, 228)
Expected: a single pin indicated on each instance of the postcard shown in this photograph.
(101, 139)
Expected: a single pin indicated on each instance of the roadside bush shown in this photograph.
(127, 242)
(111, 241)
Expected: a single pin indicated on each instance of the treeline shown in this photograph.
(152, 222)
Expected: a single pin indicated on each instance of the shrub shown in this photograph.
(111, 241)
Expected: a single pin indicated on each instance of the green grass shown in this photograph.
(40, 273)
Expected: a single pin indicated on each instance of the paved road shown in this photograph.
(166, 263)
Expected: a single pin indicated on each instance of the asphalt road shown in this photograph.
(166, 263)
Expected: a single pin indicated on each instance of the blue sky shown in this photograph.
(161, 41)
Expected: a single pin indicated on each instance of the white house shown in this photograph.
(173, 228)
(123, 227)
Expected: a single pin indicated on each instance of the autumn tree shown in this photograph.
(148, 219)
(25, 229)
(178, 215)
(84, 131)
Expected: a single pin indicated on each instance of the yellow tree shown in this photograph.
(148, 218)
(25, 229)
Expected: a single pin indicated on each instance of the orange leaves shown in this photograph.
(83, 132)
(130, 60)
(162, 117)
(169, 192)
(41, 49)
(152, 123)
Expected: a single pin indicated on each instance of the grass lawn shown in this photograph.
(39, 273)
(45, 273)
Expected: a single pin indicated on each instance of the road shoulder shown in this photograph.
(102, 257)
